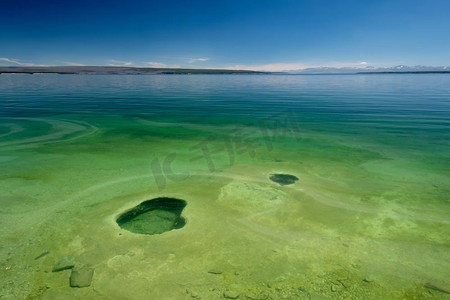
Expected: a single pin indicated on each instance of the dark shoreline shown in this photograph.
(108, 70)
(407, 72)
(116, 70)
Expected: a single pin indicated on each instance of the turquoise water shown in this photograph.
(369, 216)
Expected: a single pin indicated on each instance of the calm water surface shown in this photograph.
(368, 218)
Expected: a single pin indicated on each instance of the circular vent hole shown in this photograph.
(154, 216)
(283, 179)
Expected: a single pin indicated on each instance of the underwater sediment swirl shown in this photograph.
(33, 132)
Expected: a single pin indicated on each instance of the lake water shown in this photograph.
(368, 218)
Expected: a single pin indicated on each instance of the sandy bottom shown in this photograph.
(366, 229)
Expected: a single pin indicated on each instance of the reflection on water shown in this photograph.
(367, 216)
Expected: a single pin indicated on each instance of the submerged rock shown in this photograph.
(63, 264)
(250, 197)
(432, 286)
(42, 255)
(231, 294)
(283, 179)
(81, 277)
(154, 216)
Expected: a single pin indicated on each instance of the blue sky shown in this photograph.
(262, 35)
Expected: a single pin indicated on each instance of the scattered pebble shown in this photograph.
(251, 296)
(335, 287)
(369, 279)
(231, 294)
(193, 294)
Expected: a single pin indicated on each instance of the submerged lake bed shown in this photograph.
(291, 186)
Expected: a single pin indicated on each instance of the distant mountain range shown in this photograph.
(133, 70)
(369, 69)
(116, 70)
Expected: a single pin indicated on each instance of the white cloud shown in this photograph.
(282, 67)
(20, 63)
(155, 64)
(275, 67)
(75, 64)
(200, 59)
(362, 64)
(120, 63)
(10, 60)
